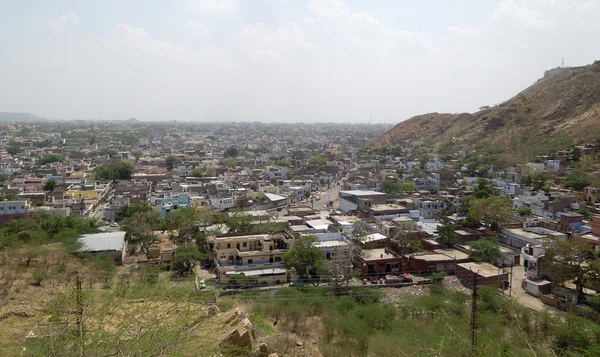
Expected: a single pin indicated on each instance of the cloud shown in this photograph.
(198, 29)
(332, 62)
(64, 21)
(214, 6)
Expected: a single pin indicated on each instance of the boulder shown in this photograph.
(263, 349)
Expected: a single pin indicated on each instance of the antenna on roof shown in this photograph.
(371, 119)
(562, 64)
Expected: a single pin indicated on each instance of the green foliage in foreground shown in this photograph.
(42, 228)
(431, 325)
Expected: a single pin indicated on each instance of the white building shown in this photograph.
(13, 207)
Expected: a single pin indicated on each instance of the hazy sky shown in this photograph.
(278, 60)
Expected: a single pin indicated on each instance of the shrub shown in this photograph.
(38, 276)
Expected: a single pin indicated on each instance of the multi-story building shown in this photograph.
(257, 255)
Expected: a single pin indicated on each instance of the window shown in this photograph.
(245, 244)
(228, 245)
(277, 259)
(249, 261)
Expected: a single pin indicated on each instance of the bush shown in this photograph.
(38, 276)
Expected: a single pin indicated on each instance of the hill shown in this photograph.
(19, 117)
(560, 109)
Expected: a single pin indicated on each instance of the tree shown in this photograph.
(50, 158)
(572, 260)
(198, 173)
(232, 152)
(50, 185)
(524, 211)
(318, 160)
(409, 186)
(424, 159)
(238, 222)
(536, 179)
(231, 162)
(13, 148)
(304, 257)
(360, 229)
(283, 162)
(185, 255)
(585, 211)
(491, 210)
(576, 154)
(392, 188)
(401, 243)
(577, 180)
(483, 189)
(447, 235)
(484, 251)
(121, 170)
(172, 161)
(137, 154)
(128, 211)
(140, 228)
(187, 221)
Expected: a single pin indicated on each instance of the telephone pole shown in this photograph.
(474, 310)
(79, 312)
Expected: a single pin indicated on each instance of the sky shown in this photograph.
(282, 60)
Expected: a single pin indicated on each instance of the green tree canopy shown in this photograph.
(50, 185)
(121, 170)
(231, 162)
(492, 210)
(447, 236)
(524, 211)
(198, 173)
(483, 189)
(573, 260)
(185, 255)
(140, 228)
(577, 180)
(50, 158)
(484, 251)
(232, 152)
(129, 210)
(318, 160)
(137, 154)
(304, 256)
(171, 161)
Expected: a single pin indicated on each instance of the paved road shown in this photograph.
(329, 195)
(522, 297)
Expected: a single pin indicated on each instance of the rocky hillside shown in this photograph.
(560, 109)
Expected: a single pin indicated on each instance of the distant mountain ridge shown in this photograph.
(558, 110)
(19, 117)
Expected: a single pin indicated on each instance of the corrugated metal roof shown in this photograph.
(258, 272)
(101, 242)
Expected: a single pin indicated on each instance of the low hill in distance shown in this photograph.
(19, 117)
(559, 110)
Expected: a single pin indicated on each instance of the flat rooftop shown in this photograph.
(482, 269)
(244, 237)
(102, 242)
(362, 193)
(452, 253)
(373, 237)
(433, 257)
(522, 233)
(387, 207)
(330, 244)
(377, 254)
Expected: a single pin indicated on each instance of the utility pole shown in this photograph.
(474, 310)
(510, 283)
(79, 312)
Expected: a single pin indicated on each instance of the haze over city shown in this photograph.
(284, 61)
